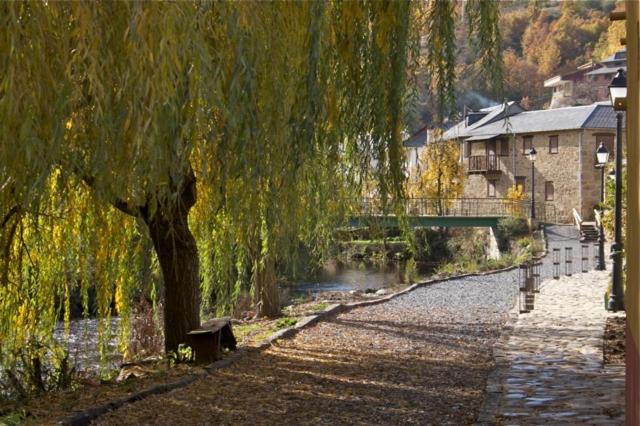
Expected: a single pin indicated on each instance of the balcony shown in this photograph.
(484, 164)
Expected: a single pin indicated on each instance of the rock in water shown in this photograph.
(382, 292)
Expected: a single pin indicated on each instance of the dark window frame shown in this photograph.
(525, 148)
(553, 149)
(468, 149)
(504, 147)
(492, 183)
(549, 195)
(524, 182)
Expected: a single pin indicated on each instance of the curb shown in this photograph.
(86, 416)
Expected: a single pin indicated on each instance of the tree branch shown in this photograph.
(118, 203)
(13, 210)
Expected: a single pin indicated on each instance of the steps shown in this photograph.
(588, 232)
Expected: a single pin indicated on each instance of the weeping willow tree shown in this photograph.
(225, 133)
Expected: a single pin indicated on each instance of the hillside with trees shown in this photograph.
(540, 38)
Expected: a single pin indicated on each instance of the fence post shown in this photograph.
(556, 263)
(585, 258)
(568, 261)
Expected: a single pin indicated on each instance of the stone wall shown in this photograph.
(576, 182)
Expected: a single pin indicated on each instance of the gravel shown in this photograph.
(422, 358)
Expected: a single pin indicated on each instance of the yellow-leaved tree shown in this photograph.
(206, 139)
(513, 200)
(441, 176)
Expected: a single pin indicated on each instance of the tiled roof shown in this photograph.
(595, 116)
(495, 113)
(603, 117)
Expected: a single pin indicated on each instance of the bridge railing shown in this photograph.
(466, 207)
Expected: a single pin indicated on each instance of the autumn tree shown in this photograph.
(523, 79)
(441, 174)
(220, 133)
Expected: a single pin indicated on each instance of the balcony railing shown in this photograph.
(484, 163)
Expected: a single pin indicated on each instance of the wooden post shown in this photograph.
(632, 299)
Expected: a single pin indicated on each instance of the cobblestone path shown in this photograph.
(555, 354)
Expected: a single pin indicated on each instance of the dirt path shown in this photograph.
(422, 358)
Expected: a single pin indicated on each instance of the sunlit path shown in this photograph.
(556, 373)
(422, 358)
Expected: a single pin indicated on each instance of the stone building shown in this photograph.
(494, 143)
(587, 83)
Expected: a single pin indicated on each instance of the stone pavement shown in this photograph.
(552, 368)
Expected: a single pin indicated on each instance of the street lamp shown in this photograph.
(602, 156)
(618, 94)
(532, 157)
(618, 91)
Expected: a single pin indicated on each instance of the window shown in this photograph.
(467, 149)
(607, 139)
(491, 188)
(548, 191)
(520, 181)
(553, 144)
(504, 147)
(527, 143)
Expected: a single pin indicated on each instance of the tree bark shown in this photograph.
(178, 257)
(267, 290)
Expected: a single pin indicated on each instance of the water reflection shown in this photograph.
(358, 276)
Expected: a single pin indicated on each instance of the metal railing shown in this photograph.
(465, 207)
(484, 163)
(577, 220)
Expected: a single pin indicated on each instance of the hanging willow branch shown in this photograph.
(278, 113)
(484, 27)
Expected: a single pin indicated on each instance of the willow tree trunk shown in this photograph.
(267, 289)
(178, 257)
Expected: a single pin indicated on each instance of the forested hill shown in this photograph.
(540, 39)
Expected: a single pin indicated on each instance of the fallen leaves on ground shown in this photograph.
(614, 339)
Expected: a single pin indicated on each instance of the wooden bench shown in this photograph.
(211, 339)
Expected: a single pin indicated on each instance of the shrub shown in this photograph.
(146, 338)
(508, 229)
(184, 354)
(285, 322)
(468, 245)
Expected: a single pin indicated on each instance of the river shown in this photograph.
(355, 276)
(333, 277)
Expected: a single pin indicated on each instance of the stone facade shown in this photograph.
(568, 173)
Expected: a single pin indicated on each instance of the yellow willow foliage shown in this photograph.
(279, 111)
(61, 248)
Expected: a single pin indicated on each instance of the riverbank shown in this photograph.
(422, 357)
(250, 333)
(470, 298)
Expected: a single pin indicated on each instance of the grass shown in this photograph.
(319, 307)
(285, 322)
(256, 331)
(253, 332)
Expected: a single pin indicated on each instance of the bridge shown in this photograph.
(448, 212)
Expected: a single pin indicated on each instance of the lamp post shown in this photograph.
(532, 157)
(602, 156)
(618, 94)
